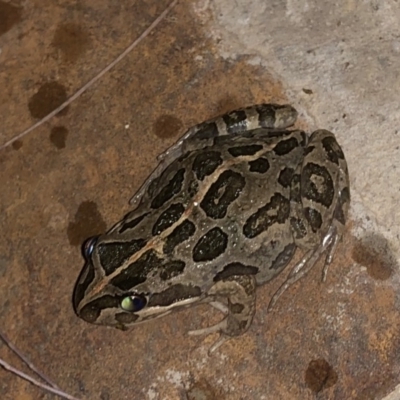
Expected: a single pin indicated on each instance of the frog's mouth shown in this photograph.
(106, 310)
(156, 305)
(125, 310)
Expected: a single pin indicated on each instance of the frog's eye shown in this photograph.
(88, 246)
(133, 303)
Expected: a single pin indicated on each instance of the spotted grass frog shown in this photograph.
(223, 213)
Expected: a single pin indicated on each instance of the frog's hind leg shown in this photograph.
(320, 199)
(240, 292)
(271, 116)
(307, 263)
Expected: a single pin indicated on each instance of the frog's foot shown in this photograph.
(219, 327)
(308, 261)
(239, 290)
(220, 306)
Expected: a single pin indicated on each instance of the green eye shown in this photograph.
(133, 303)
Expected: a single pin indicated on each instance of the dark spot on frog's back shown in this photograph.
(286, 146)
(167, 126)
(137, 272)
(222, 193)
(88, 222)
(317, 184)
(261, 165)
(72, 40)
(172, 188)
(168, 218)
(285, 176)
(320, 375)
(332, 149)
(205, 163)
(113, 254)
(172, 269)
(179, 235)
(58, 135)
(49, 96)
(235, 268)
(276, 211)
(174, 293)
(245, 150)
(374, 253)
(10, 15)
(210, 246)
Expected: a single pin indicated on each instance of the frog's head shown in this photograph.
(124, 283)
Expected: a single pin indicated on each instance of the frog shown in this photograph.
(222, 214)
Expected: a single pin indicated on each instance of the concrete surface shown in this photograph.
(336, 62)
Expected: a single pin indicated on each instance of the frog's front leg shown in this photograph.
(320, 198)
(240, 293)
(271, 116)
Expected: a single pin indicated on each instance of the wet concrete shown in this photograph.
(72, 178)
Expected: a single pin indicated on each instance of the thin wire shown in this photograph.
(95, 79)
(26, 361)
(36, 382)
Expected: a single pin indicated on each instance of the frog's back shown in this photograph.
(214, 212)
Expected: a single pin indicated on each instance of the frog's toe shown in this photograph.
(219, 327)
(308, 261)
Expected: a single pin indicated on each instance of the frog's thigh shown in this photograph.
(240, 292)
(320, 191)
(320, 198)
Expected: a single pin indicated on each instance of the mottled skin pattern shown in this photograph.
(223, 213)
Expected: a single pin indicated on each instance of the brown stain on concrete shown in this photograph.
(17, 144)
(373, 252)
(49, 96)
(351, 319)
(320, 375)
(87, 222)
(167, 126)
(72, 40)
(10, 15)
(58, 136)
